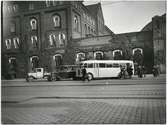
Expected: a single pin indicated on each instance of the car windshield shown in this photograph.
(38, 70)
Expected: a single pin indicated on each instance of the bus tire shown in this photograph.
(89, 76)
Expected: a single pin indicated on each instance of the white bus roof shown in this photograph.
(107, 61)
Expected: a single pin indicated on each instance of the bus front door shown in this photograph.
(96, 70)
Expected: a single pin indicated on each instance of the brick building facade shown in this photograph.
(158, 28)
(52, 33)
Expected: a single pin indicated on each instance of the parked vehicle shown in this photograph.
(64, 72)
(103, 68)
(38, 73)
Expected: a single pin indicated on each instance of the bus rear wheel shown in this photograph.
(89, 76)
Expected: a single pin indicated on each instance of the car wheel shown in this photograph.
(30, 78)
(90, 76)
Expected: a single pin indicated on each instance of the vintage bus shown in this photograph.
(103, 68)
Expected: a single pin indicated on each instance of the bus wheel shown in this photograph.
(89, 76)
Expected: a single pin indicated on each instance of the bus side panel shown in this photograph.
(109, 72)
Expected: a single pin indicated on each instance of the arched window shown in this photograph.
(117, 54)
(34, 41)
(15, 8)
(33, 23)
(62, 38)
(56, 20)
(76, 23)
(34, 60)
(8, 43)
(57, 59)
(98, 55)
(12, 65)
(80, 57)
(12, 59)
(52, 39)
(16, 42)
(139, 50)
(12, 27)
(138, 56)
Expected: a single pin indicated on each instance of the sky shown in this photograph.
(129, 16)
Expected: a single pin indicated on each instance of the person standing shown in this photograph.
(144, 71)
(139, 72)
(83, 74)
(130, 71)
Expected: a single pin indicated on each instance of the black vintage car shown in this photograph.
(64, 72)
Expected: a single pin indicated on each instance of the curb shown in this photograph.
(82, 98)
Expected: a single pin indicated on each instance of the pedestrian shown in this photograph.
(139, 72)
(158, 70)
(130, 71)
(83, 74)
(122, 74)
(144, 71)
(155, 71)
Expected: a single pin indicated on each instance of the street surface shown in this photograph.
(135, 101)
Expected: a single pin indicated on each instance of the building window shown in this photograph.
(52, 40)
(85, 29)
(137, 50)
(117, 54)
(138, 56)
(31, 6)
(98, 55)
(12, 60)
(84, 15)
(55, 3)
(48, 3)
(88, 30)
(8, 43)
(16, 42)
(76, 23)
(12, 66)
(56, 20)
(12, 27)
(62, 38)
(33, 23)
(80, 57)
(34, 60)
(9, 8)
(15, 8)
(57, 59)
(34, 41)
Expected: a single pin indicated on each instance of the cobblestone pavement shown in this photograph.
(86, 111)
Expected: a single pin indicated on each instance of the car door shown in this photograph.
(39, 73)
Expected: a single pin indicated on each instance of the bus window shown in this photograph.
(109, 65)
(90, 65)
(102, 65)
(85, 65)
(115, 65)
